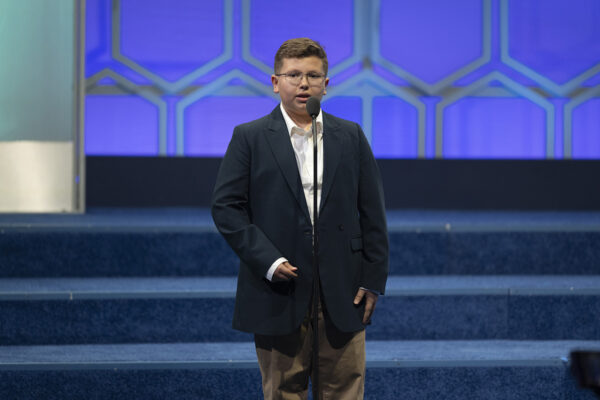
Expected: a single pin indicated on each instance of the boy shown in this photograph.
(262, 205)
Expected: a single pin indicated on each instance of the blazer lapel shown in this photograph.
(281, 146)
(332, 151)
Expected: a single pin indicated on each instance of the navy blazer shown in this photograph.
(259, 207)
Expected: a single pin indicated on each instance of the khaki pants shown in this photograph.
(285, 362)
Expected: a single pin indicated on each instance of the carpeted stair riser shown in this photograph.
(518, 383)
(470, 317)
(507, 383)
(118, 321)
(179, 384)
(494, 253)
(92, 253)
(106, 254)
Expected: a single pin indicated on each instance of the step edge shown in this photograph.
(245, 364)
(76, 296)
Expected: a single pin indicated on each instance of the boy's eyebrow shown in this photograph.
(295, 71)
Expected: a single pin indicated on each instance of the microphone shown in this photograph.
(313, 107)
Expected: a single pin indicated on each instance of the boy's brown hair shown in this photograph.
(300, 48)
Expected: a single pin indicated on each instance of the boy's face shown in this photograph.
(294, 97)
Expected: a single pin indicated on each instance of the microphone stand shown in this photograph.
(316, 279)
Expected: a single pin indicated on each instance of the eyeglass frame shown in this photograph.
(289, 78)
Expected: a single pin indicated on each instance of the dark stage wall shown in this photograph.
(408, 183)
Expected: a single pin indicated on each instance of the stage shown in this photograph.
(138, 302)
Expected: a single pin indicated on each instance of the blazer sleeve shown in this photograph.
(231, 208)
(371, 207)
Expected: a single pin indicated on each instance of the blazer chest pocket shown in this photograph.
(356, 243)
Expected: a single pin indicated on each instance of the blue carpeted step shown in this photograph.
(185, 243)
(414, 369)
(129, 310)
(117, 310)
(98, 254)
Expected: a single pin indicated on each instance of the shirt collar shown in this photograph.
(290, 124)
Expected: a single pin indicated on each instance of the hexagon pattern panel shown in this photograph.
(514, 79)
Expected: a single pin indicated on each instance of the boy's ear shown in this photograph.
(325, 86)
(275, 83)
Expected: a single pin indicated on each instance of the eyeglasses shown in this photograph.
(295, 78)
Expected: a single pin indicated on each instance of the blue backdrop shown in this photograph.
(425, 78)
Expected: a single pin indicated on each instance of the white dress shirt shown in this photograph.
(302, 142)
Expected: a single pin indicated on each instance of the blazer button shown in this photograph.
(308, 232)
(341, 227)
